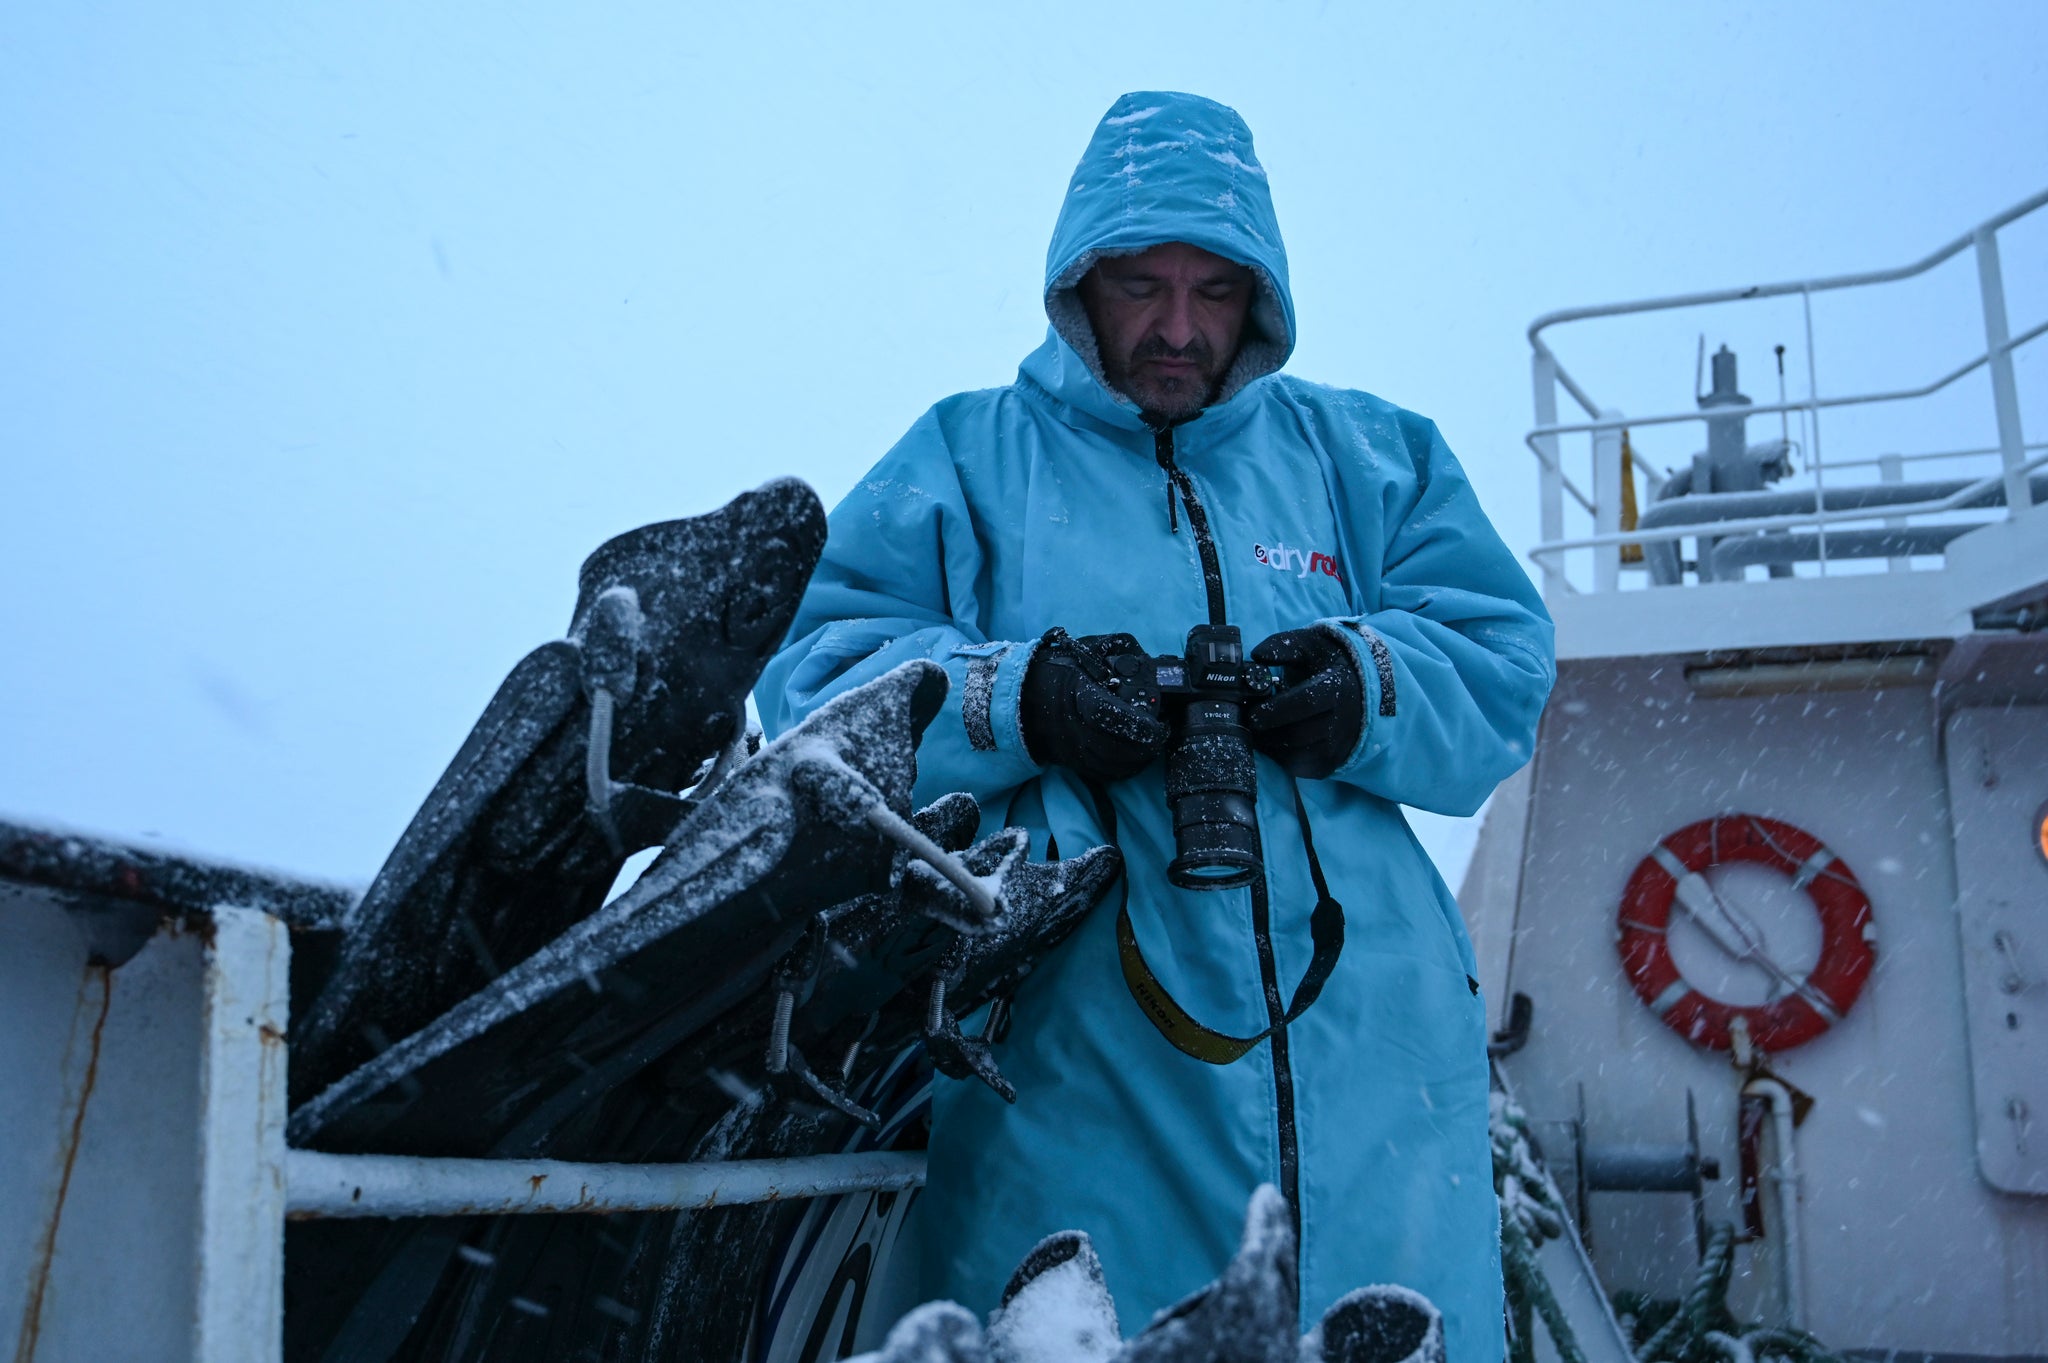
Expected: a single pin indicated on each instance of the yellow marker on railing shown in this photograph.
(1630, 553)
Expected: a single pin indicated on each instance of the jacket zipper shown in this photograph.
(1262, 919)
(1205, 543)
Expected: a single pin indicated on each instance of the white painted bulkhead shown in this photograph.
(1905, 1243)
(142, 1100)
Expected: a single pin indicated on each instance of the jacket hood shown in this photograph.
(1167, 167)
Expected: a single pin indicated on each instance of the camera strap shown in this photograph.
(1175, 1023)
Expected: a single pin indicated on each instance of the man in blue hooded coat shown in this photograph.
(1149, 470)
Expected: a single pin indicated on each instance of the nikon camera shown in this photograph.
(1211, 778)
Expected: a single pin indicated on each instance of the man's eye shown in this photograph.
(1217, 293)
(1139, 288)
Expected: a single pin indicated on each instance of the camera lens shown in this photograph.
(1211, 781)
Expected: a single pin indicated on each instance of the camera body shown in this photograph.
(1211, 777)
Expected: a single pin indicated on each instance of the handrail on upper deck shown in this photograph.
(1822, 285)
(1605, 425)
(1803, 405)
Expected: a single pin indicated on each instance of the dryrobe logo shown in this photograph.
(1284, 558)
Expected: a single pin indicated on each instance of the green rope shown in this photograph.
(1528, 1288)
(1697, 1328)
(1703, 1330)
(1530, 1213)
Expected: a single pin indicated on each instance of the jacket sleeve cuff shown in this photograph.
(1375, 663)
(991, 699)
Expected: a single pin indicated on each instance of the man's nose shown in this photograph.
(1177, 325)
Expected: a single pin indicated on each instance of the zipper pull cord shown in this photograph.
(1162, 450)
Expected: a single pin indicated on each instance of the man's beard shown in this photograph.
(1172, 397)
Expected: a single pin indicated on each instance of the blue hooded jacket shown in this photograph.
(1008, 511)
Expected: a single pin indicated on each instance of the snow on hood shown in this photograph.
(1172, 167)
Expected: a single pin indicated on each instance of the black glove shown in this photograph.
(1073, 719)
(1319, 715)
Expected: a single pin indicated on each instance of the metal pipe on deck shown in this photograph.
(1710, 507)
(1734, 554)
(1784, 1178)
(320, 1185)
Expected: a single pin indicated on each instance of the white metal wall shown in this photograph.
(141, 1192)
(1907, 1247)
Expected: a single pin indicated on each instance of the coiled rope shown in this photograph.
(1530, 1214)
(1703, 1330)
(1698, 1328)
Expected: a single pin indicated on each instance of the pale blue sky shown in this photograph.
(335, 338)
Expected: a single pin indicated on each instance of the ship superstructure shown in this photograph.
(1776, 883)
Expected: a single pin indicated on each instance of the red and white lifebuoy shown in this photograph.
(1673, 869)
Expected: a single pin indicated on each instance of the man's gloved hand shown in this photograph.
(1319, 715)
(1071, 717)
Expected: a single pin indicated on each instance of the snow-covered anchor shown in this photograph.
(1248, 1314)
(852, 798)
(789, 1072)
(1057, 1309)
(955, 1054)
(1378, 1325)
(610, 640)
(577, 762)
(739, 882)
(894, 972)
(936, 899)
(778, 924)
(937, 1332)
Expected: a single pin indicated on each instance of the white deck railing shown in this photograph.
(1605, 426)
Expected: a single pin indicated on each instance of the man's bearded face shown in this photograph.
(1167, 323)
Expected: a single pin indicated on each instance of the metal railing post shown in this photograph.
(1550, 498)
(2005, 394)
(1891, 468)
(1607, 504)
